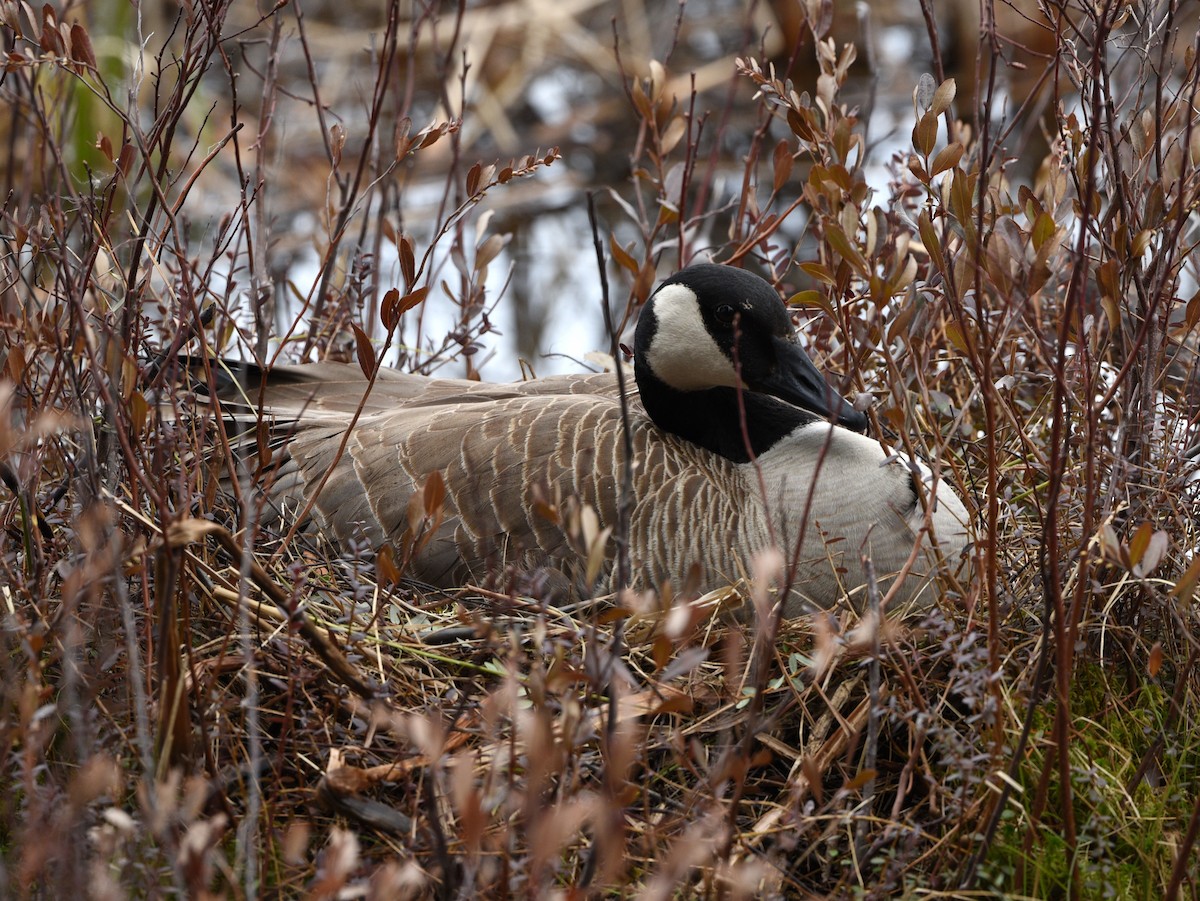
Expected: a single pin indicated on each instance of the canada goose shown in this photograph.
(732, 442)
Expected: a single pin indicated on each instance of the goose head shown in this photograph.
(711, 332)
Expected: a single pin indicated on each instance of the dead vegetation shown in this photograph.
(193, 707)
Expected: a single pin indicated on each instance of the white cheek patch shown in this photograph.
(683, 354)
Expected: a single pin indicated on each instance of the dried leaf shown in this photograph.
(961, 192)
(783, 163)
(819, 272)
(847, 251)
(547, 512)
(1139, 542)
(1155, 550)
(597, 553)
(337, 142)
(433, 495)
(139, 409)
(81, 47)
(387, 310)
(930, 241)
(408, 261)
(125, 160)
(811, 300)
(1154, 664)
(658, 80)
(623, 258)
(364, 350)
(947, 158)
(15, 364)
(644, 282)
(1185, 588)
(923, 92)
(943, 96)
(861, 778)
(924, 134)
(640, 101)
(1043, 230)
(956, 336)
(1192, 314)
(189, 531)
(430, 133)
(385, 565)
(395, 306)
(1110, 545)
(489, 250)
(673, 134)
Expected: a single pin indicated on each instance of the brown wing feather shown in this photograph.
(500, 450)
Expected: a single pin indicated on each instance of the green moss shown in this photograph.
(1121, 851)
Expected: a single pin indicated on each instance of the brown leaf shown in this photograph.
(819, 272)
(81, 47)
(943, 96)
(489, 250)
(783, 163)
(931, 242)
(385, 565)
(50, 39)
(139, 410)
(1186, 586)
(1154, 664)
(811, 300)
(847, 251)
(1139, 542)
(947, 158)
(673, 134)
(394, 306)
(644, 282)
(1043, 230)
(412, 298)
(547, 512)
(1157, 547)
(337, 142)
(924, 134)
(364, 350)
(662, 651)
(408, 261)
(388, 313)
(623, 258)
(189, 531)
(15, 364)
(403, 142)
(125, 160)
(956, 336)
(860, 779)
(430, 133)
(433, 495)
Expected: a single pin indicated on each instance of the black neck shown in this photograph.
(713, 420)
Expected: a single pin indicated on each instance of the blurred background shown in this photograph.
(320, 83)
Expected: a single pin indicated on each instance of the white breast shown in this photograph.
(860, 502)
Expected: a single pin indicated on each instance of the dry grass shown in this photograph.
(191, 707)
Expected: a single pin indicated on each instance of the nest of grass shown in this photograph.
(478, 742)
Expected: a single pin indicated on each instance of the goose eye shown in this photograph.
(725, 314)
